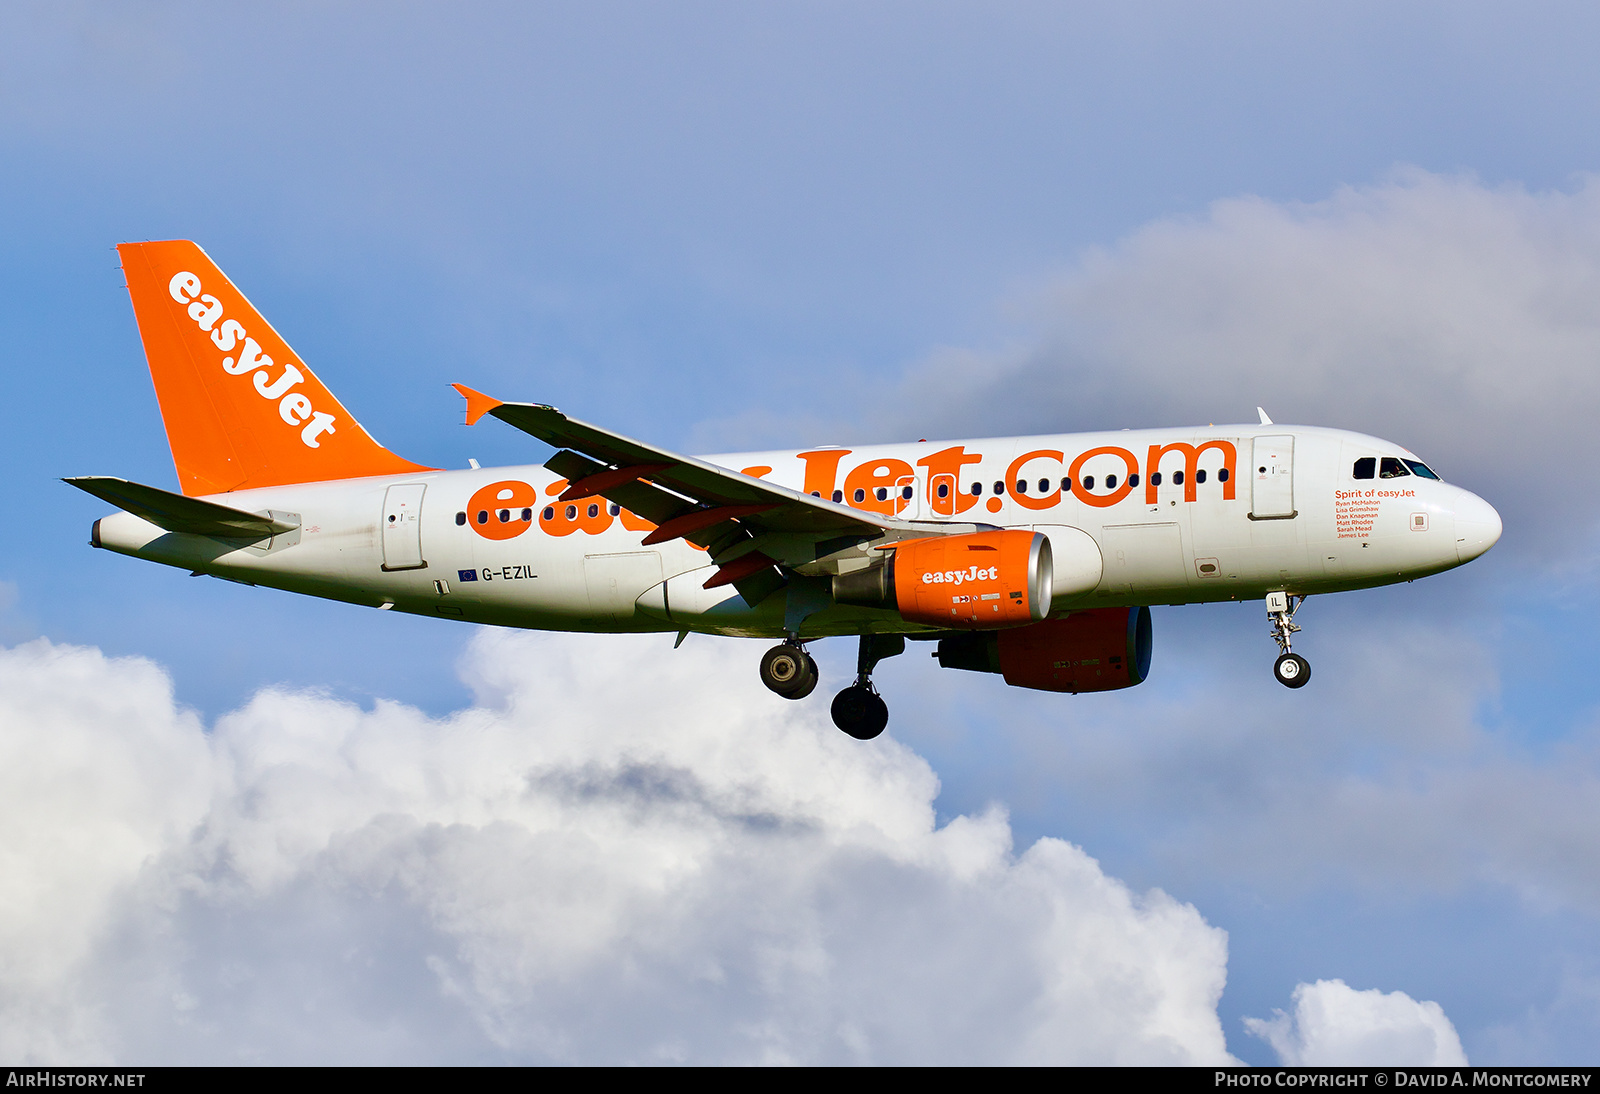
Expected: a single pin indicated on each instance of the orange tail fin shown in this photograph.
(241, 410)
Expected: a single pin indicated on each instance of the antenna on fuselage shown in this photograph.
(1264, 419)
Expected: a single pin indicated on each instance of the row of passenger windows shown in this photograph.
(1386, 467)
(1044, 486)
(1390, 467)
(506, 516)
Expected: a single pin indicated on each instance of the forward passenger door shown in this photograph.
(1272, 478)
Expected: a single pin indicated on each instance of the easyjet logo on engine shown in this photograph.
(959, 577)
(293, 407)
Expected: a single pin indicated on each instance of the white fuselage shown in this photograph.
(1289, 515)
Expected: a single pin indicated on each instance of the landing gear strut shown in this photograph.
(859, 710)
(789, 670)
(1292, 670)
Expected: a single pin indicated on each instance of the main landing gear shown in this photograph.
(859, 710)
(1292, 670)
(789, 671)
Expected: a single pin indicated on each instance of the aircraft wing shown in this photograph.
(747, 523)
(178, 513)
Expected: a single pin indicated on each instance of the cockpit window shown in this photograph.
(1366, 467)
(1420, 468)
(1391, 468)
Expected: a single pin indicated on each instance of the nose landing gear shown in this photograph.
(859, 710)
(789, 671)
(1291, 670)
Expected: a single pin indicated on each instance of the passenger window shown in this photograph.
(838, 496)
(1200, 475)
(944, 490)
(1155, 478)
(906, 492)
(1421, 469)
(527, 514)
(572, 512)
(483, 516)
(1222, 475)
(505, 516)
(860, 495)
(615, 509)
(977, 488)
(1177, 478)
(1133, 480)
(549, 512)
(594, 510)
(1088, 482)
(882, 493)
(1391, 468)
(1111, 482)
(461, 518)
(999, 488)
(1366, 467)
(1044, 486)
(1022, 486)
(1066, 485)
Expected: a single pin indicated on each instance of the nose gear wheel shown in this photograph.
(1291, 670)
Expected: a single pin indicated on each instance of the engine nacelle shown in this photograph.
(978, 581)
(1102, 649)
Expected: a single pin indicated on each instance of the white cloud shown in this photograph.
(98, 775)
(1383, 777)
(1334, 1025)
(618, 853)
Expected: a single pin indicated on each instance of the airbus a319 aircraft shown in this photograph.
(1036, 558)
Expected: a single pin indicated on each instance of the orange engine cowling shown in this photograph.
(1098, 650)
(979, 581)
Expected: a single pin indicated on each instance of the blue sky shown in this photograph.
(719, 226)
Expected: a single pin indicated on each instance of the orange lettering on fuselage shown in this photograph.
(635, 523)
(1028, 501)
(944, 467)
(495, 511)
(822, 470)
(591, 515)
(1101, 501)
(1191, 464)
(875, 475)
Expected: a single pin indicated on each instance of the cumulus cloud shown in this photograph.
(1334, 1025)
(1394, 782)
(617, 853)
(1458, 319)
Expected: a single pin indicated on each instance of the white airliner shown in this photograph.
(1033, 557)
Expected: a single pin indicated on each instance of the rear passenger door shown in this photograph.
(402, 527)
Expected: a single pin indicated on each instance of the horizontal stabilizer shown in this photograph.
(177, 513)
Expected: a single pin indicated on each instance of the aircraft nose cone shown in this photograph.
(1477, 526)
